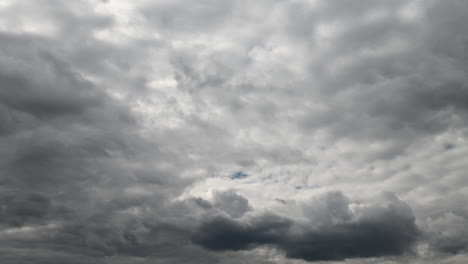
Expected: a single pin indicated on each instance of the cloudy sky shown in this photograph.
(219, 131)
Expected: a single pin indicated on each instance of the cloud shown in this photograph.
(448, 233)
(365, 230)
(232, 203)
(219, 131)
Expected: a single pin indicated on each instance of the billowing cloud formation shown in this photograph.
(232, 203)
(363, 230)
(219, 131)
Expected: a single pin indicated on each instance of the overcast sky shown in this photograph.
(233, 131)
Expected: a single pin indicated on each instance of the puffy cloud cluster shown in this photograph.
(337, 231)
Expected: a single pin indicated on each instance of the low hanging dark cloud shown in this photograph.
(374, 232)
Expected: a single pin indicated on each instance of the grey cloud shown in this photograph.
(232, 203)
(65, 151)
(222, 233)
(373, 230)
(18, 210)
(201, 16)
(447, 233)
(112, 114)
(44, 99)
(332, 207)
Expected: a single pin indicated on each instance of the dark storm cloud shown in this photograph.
(48, 97)
(222, 233)
(20, 209)
(391, 235)
(376, 231)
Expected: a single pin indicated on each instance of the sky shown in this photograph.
(233, 131)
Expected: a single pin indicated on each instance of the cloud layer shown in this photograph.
(233, 131)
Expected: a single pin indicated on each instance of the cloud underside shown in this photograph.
(370, 231)
(233, 131)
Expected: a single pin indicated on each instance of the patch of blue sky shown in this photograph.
(238, 175)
